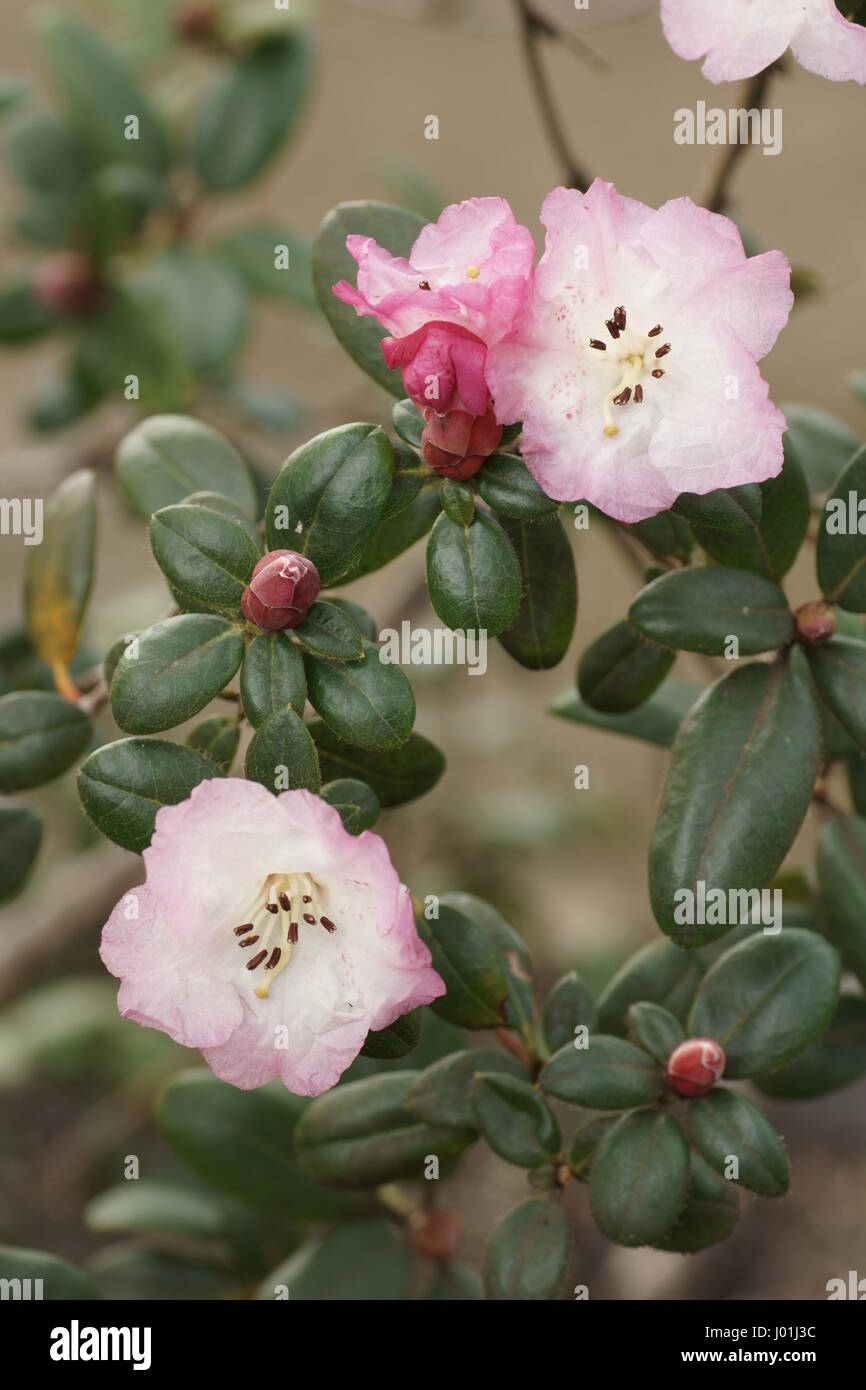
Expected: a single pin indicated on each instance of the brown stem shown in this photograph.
(533, 29)
(754, 93)
(95, 699)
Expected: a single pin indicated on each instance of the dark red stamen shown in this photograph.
(594, 343)
(663, 350)
(274, 960)
(256, 960)
(244, 928)
(327, 924)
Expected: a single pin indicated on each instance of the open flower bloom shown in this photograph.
(267, 936)
(635, 373)
(738, 38)
(464, 287)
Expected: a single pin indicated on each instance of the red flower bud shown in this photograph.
(816, 621)
(435, 1233)
(695, 1066)
(455, 445)
(283, 586)
(67, 283)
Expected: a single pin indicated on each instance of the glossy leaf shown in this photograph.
(442, 1093)
(699, 610)
(640, 1178)
(569, 1006)
(41, 735)
(725, 1125)
(363, 1261)
(167, 457)
(369, 702)
(356, 802)
(217, 739)
(471, 968)
(542, 631)
(397, 1040)
(122, 785)
(710, 1213)
(842, 879)
(281, 754)
(608, 1074)
(397, 777)
(20, 838)
(473, 575)
(840, 553)
(174, 670)
(514, 1119)
(660, 973)
(527, 1254)
(621, 669)
(656, 720)
(207, 558)
(834, 1060)
(506, 485)
(839, 670)
(272, 678)
(331, 633)
(656, 1029)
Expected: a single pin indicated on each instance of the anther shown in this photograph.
(274, 960)
(306, 898)
(658, 371)
(284, 902)
(612, 328)
(272, 907)
(327, 924)
(250, 941)
(619, 317)
(308, 917)
(595, 343)
(293, 933)
(244, 928)
(654, 332)
(256, 960)
(638, 394)
(424, 285)
(663, 350)
(623, 397)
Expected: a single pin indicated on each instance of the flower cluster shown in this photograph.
(628, 355)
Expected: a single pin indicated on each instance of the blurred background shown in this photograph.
(566, 867)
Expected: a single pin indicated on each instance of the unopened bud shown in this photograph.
(67, 283)
(455, 445)
(816, 621)
(695, 1066)
(435, 1233)
(283, 586)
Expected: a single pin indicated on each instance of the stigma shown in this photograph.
(634, 357)
(282, 903)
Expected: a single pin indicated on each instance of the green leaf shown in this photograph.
(408, 422)
(824, 444)
(244, 120)
(400, 1038)
(331, 633)
(256, 254)
(359, 1135)
(585, 1142)
(569, 1006)
(330, 495)
(699, 610)
(206, 557)
(709, 1215)
(356, 802)
(839, 671)
(272, 678)
(217, 739)
(458, 501)
(151, 1206)
(200, 300)
(20, 838)
(763, 535)
(527, 1254)
(654, 721)
(394, 229)
(442, 1093)
(369, 702)
(22, 317)
(656, 1029)
(608, 1074)
(660, 973)
(506, 485)
(725, 1125)
(834, 1060)
(840, 553)
(100, 93)
(512, 952)
(174, 670)
(281, 754)
(473, 575)
(470, 966)
(514, 1119)
(410, 475)
(621, 669)
(58, 1281)
(666, 536)
(842, 879)
(640, 1179)
(396, 534)
(360, 617)
(359, 1262)
(58, 573)
(125, 336)
(767, 999)
(123, 785)
(127, 1272)
(243, 1143)
(41, 735)
(397, 777)
(540, 635)
(63, 399)
(751, 741)
(167, 457)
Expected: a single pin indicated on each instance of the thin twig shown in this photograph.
(754, 93)
(532, 29)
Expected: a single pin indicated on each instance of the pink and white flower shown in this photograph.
(267, 936)
(738, 38)
(463, 287)
(635, 372)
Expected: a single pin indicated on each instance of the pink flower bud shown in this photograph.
(67, 283)
(695, 1066)
(456, 445)
(816, 621)
(435, 1233)
(283, 586)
